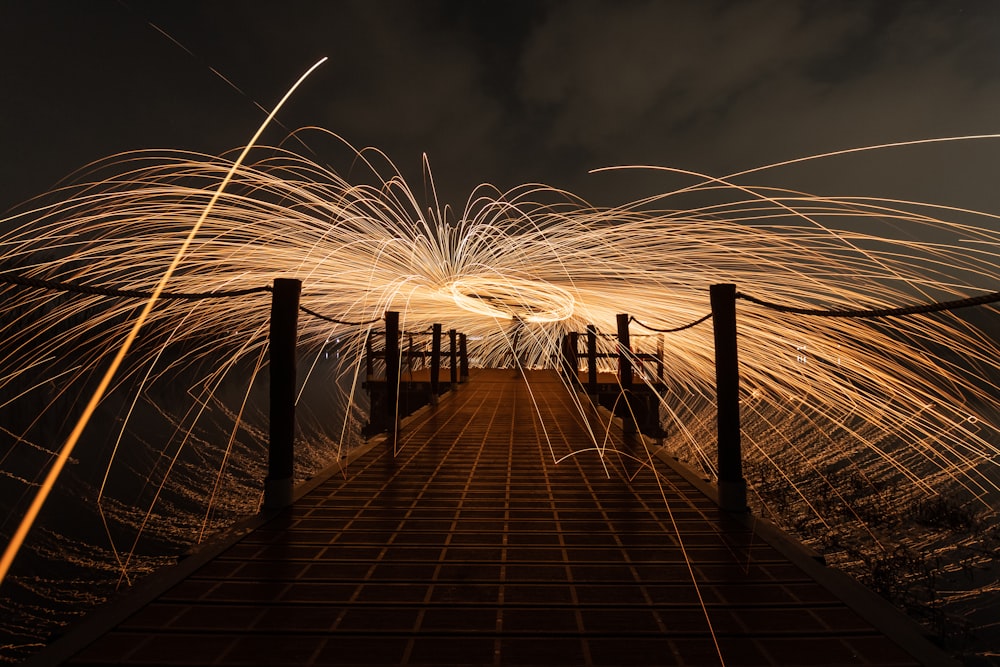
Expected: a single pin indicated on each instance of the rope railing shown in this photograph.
(428, 332)
(345, 323)
(675, 329)
(95, 290)
(917, 309)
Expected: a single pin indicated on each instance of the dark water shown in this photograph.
(175, 477)
(934, 553)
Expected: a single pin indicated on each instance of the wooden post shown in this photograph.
(281, 350)
(574, 355)
(453, 350)
(659, 357)
(409, 353)
(629, 427)
(624, 352)
(435, 363)
(564, 357)
(732, 486)
(463, 354)
(592, 359)
(392, 375)
(369, 358)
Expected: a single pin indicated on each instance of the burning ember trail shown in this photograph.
(852, 427)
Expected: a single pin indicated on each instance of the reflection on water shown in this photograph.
(933, 548)
(177, 479)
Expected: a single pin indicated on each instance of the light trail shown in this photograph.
(824, 396)
(10, 552)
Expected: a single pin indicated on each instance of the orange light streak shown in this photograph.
(10, 552)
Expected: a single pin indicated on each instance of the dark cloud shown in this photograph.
(723, 87)
(607, 74)
(509, 92)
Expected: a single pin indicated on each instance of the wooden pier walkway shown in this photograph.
(474, 547)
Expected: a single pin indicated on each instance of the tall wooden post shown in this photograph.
(435, 362)
(369, 358)
(453, 339)
(463, 356)
(574, 355)
(732, 486)
(591, 359)
(409, 353)
(281, 349)
(659, 357)
(392, 375)
(629, 426)
(624, 352)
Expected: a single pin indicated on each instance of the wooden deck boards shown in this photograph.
(474, 547)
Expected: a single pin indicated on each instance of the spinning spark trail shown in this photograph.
(70, 444)
(907, 402)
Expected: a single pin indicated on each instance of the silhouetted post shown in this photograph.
(435, 363)
(463, 356)
(659, 357)
(565, 357)
(574, 355)
(625, 373)
(392, 373)
(281, 349)
(409, 352)
(624, 352)
(369, 358)
(732, 486)
(453, 339)
(592, 359)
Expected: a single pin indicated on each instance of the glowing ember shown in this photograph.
(911, 403)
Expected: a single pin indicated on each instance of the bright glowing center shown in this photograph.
(506, 298)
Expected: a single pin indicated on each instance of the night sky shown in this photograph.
(518, 91)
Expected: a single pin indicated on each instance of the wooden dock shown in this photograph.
(473, 546)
